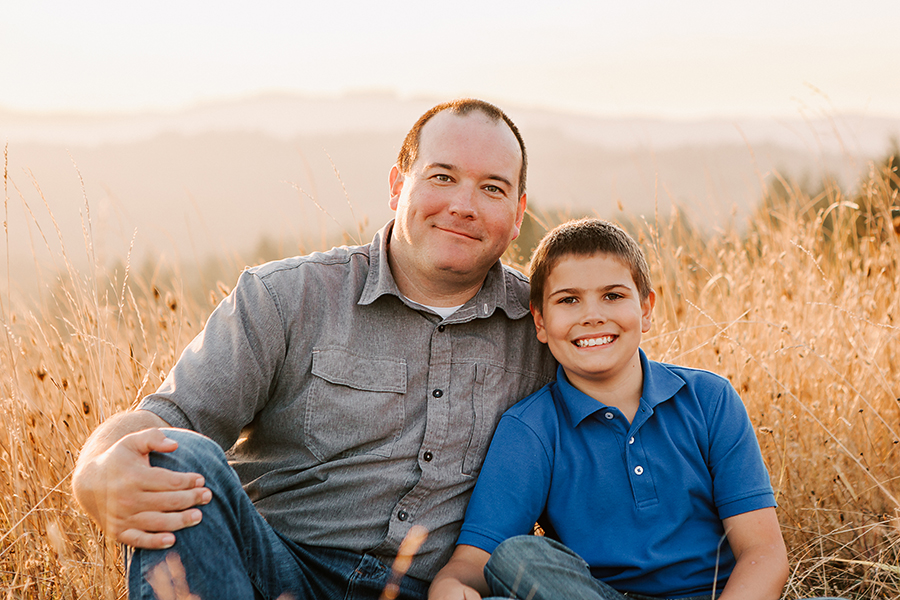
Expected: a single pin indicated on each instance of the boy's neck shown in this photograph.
(622, 390)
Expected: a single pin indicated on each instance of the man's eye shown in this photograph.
(492, 189)
(442, 177)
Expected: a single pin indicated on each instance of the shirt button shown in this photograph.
(441, 327)
(631, 441)
(427, 456)
(403, 515)
(637, 470)
(437, 393)
(609, 416)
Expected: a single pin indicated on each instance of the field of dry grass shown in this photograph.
(801, 311)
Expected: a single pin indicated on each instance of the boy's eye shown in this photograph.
(613, 296)
(568, 300)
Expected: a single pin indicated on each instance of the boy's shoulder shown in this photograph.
(689, 375)
(534, 405)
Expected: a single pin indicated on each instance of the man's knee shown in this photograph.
(196, 453)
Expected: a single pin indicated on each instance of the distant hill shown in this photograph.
(219, 178)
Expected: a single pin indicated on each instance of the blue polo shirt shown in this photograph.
(643, 502)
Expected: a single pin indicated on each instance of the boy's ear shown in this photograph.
(647, 311)
(538, 323)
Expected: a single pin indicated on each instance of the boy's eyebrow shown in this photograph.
(573, 290)
(449, 167)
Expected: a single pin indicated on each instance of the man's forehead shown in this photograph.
(475, 131)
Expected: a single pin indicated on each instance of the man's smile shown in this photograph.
(457, 232)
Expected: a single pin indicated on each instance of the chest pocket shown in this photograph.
(354, 404)
(495, 390)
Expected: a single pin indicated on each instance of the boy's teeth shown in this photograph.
(594, 341)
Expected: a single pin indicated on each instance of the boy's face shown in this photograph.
(592, 319)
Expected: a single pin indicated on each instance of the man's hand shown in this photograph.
(139, 505)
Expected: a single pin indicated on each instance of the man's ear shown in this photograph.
(396, 181)
(538, 322)
(647, 311)
(520, 214)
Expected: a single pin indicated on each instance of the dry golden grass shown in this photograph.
(801, 317)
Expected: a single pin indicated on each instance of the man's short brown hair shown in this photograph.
(586, 237)
(409, 151)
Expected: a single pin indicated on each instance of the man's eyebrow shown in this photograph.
(449, 167)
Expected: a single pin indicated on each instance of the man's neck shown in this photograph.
(444, 289)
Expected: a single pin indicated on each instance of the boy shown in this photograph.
(650, 473)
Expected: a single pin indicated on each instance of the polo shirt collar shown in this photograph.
(494, 292)
(660, 384)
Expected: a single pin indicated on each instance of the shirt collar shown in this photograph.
(660, 384)
(496, 292)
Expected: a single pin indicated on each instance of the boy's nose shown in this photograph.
(593, 313)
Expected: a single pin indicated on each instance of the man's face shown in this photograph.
(458, 208)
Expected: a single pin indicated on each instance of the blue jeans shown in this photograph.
(538, 568)
(234, 553)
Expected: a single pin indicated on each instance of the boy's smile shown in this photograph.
(592, 319)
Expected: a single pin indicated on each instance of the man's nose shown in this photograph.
(463, 202)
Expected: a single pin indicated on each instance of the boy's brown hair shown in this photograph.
(586, 237)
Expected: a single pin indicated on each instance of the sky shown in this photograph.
(686, 59)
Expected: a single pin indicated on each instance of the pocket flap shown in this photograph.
(368, 373)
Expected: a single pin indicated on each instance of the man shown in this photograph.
(355, 391)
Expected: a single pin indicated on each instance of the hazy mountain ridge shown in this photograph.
(285, 116)
(219, 178)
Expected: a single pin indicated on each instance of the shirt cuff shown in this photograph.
(168, 411)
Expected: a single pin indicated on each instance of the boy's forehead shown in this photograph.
(570, 257)
(569, 271)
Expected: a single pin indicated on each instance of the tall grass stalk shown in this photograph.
(800, 311)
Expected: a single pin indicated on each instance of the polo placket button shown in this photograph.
(609, 416)
(638, 470)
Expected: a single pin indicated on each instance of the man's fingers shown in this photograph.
(158, 479)
(154, 530)
(167, 501)
(149, 440)
(146, 540)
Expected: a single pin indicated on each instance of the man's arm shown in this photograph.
(137, 504)
(462, 578)
(762, 565)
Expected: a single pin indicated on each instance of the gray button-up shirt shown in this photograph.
(349, 412)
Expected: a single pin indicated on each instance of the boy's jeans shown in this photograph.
(539, 568)
(234, 553)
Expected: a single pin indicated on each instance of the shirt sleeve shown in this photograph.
(511, 490)
(225, 375)
(740, 479)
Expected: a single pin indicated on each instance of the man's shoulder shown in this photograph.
(335, 257)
